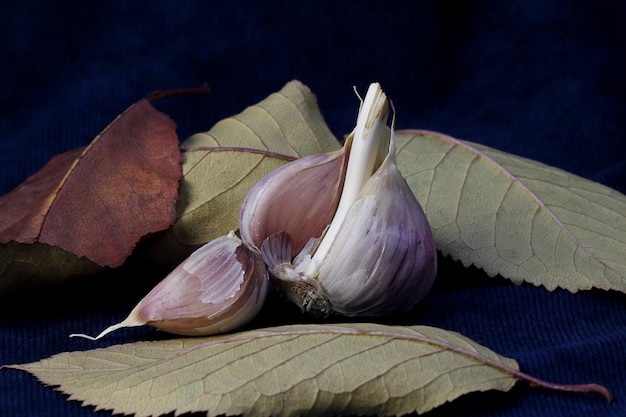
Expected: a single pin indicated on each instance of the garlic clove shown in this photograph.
(298, 198)
(370, 141)
(277, 249)
(219, 287)
(383, 260)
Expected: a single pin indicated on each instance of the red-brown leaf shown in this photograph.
(98, 202)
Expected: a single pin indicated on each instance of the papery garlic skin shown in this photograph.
(218, 288)
(299, 198)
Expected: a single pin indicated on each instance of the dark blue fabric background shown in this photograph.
(541, 79)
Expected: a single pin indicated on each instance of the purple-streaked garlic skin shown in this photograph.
(299, 198)
(383, 260)
(218, 288)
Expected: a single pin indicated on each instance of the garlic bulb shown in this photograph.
(219, 287)
(377, 255)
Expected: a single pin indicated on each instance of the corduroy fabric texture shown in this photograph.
(541, 79)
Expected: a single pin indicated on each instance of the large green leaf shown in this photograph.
(284, 371)
(221, 165)
(512, 216)
(314, 370)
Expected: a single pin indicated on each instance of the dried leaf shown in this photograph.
(26, 266)
(512, 216)
(221, 165)
(91, 206)
(311, 370)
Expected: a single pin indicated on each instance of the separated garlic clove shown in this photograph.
(378, 256)
(219, 287)
(299, 198)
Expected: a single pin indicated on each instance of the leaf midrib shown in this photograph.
(514, 179)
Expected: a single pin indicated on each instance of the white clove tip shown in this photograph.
(130, 321)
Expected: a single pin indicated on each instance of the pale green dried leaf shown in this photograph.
(519, 218)
(226, 163)
(314, 370)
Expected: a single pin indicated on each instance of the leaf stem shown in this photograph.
(590, 388)
(160, 94)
